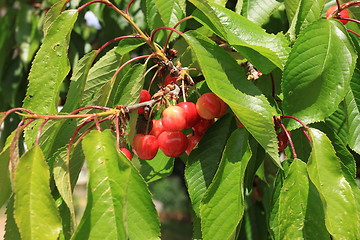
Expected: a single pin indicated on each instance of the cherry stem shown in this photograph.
(129, 61)
(168, 28)
(296, 119)
(91, 2)
(117, 131)
(348, 19)
(89, 107)
(306, 134)
(90, 128)
(153, 79)
(97, 124)
(128, 6)
(290, 140)
(71, 141)
(353, 32)
(40, 131)
(114, 40)
(177, 24)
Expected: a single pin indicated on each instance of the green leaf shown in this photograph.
(223, 205)
(128, 91)
(161, 166)
(319, 67)
(302, 13)
(35, 211)
(5, 184)
(341, 214)
(128, 44)
(170, 11)
(338, 121)
(11, 229)
(50, 66)
(246, 101)
(119, 204)
(53, 13)
(259, 11)
(352, 110)
(203, 161)
(78, 81)
(265, 51)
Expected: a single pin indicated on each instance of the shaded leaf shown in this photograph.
(265, 51)
(5, 183)
(341, 214)
(159, 167)
(259, 11)
(245, 100)
(35, 211)
(11, 229)
(203, 161)
(319, 67)
(223, 205)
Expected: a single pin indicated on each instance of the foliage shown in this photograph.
(280, 164)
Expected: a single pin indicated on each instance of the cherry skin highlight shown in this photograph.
(144, 96)
(145, 146)
(210, 106)
(127, 153)
(157, 128)
(191, 115)
(344, 13)
(173, 144)
(173, 118)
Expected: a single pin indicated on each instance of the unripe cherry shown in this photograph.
(173, 118)
(145, 146)
(191, 115)
(173, 144)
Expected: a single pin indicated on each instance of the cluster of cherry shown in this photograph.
(166, 133)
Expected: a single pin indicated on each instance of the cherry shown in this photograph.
(144, 96)
(126, 152)
(173, 118)
(173, 144)
(169, 80)
(201, 127)
(282, 141)
(344, 13)
(192, 141)
(210, 106)
(157, 128)
(238, 122)
(191, 115)
(145, 146)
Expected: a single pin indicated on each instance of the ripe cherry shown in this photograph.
(191, 115)
(173, 118)
(157, 128)
(144, 96)
(210, 106)
(145, 146)
(282, 141)
(126, 152)
(192, 142)
(201, 127)
(344, 13)
(169, 80)
(173, 144)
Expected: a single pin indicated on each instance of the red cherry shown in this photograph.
(157, 128)
(192, 141)
(144, 96)
(282, 141)
(126, 152)
(239, 123)
(173, 118)
(344, 13)
(210, 106)
(173, 144)
(145, 146)
(191, 115)
(201, 127)
(169, 80)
